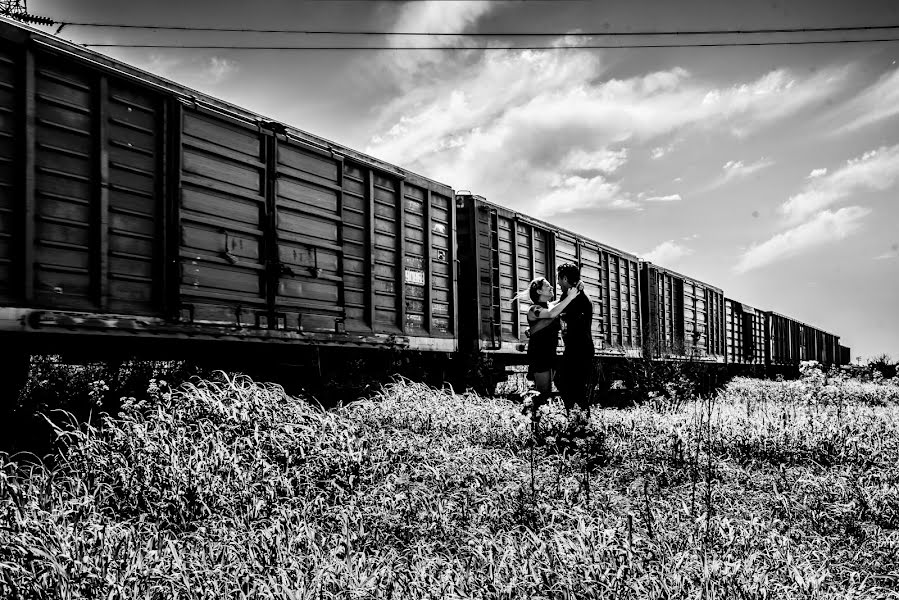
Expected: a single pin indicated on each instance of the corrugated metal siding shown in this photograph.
(505, 254)
(663, 312)
(257, 218)
(398, 255)
(223, 221)
(136, 200)
(388, 237)
(532, 262)
(279, 235)
(745, 333)
(10, 140)
(427, 276)
(611, 282)
(683, 318)
(510, 250)
(783, 334)
(356, 248)
(845, 355)
(90, 196)
(65, 156)
(488, 275)
(308, 236)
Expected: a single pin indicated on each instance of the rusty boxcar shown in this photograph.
(501, 251)
(130, 205)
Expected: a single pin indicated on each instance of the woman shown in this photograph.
(544, 332)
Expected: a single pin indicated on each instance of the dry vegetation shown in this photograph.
(226, 488)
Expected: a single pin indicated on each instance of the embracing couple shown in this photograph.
(571, 316)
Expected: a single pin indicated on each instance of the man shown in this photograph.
(575, 373)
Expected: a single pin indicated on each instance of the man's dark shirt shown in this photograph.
(577, 335)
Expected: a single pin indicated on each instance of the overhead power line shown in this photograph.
(641, 33)
(562, 47)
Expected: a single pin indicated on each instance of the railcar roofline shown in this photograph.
(682, 276)
(546, 225)
(783, 316)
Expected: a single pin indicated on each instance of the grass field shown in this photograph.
(226, 488)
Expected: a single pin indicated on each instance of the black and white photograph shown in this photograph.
(449, 299)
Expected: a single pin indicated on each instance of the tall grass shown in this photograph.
(227, 488)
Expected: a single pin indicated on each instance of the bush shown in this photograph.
(82, 390)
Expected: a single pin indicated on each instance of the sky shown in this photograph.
(769, 171)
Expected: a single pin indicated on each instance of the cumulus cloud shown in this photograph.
(436, 16)
(877, 170)
(669, 198)
(825, 227)
(667, 253)
(439, 16)
(877, 102)
(580, 193)
(535, 115)
(817, 173)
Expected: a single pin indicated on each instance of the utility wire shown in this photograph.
(564, 47)
(488, 34)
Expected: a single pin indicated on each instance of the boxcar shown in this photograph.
(791, 342)
(131, 205)
(683, 318)
(745, 332)
(501, 251)
(845, 355)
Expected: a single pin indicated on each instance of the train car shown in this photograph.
(501, 251)
(135, 211)
(745, 333)
(131, 206)
(845, 355)
(791, 342)
(683, 318)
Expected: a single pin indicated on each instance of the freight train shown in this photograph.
(137, 214)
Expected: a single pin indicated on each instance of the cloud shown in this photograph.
(667, 253)
(817, 173)
(198, 72)
(737, 169)
(162, 64)
(825, 228)
(660, 151)
(605, 160)
(579, 193)
(218, 69)
(440, 16)
(877, 102)
(877, 170)
(436, 16)
(540, 118)
(670, 198)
